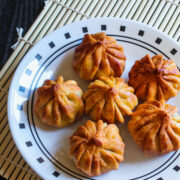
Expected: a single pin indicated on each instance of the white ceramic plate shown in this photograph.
(46, 149)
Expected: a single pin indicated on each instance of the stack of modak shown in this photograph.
(155, 126)
(97, 147)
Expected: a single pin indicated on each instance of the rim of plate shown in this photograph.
(24, 62)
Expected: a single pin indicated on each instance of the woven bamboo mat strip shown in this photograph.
(161, 14)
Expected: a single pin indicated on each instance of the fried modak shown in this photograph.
(58, 103)
(155, 78)
(99, 55)
(155, 127)
(97, 148)
(110, 99)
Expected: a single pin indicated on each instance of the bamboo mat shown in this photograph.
(161, 14)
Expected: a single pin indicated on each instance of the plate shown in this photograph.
(46, 149)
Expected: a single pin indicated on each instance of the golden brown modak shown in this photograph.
(97, 148)
(58, 103)
(110, 99)
(155, 127)
(155, 78)
(98, 55)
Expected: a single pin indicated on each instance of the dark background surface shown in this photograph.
(15, 13)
